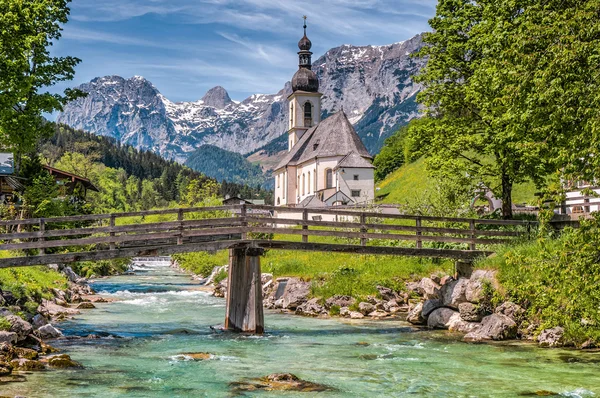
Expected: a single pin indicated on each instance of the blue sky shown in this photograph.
(186, 47)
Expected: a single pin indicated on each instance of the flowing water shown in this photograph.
(161, 314)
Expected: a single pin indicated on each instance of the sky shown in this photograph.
(185, 47)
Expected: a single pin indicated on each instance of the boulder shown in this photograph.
(70, 274)
(474, 291)
(26, 364)
(386, 293)
(440, 318)
(436, 278)
(345, 312)
(340, 301)
(26, 353)
(453, 293)
(48, 332)
(430, 305)
(311, 308)
(85, 306)
(457, 324)
(52, 310)
(62, 361)
(356, 315)
(494, 327)
(445, 279)
(511, 310)
(470, 312)
(296, 292)
(391, 306)
(366, 308)
(19, 326)
(277, 382)
(413, 287)
(429, 289)
(415, 315)
(38, 321)
(8, 337)
(5, 369)
(551, 337)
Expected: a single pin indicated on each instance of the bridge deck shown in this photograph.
(111, 236)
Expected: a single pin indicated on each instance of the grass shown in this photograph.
(411, 181)
(30, 284)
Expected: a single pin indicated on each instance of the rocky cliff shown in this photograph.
(372, 84)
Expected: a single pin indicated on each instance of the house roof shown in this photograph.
(13, 182)
(312, 201)
(73, 177)
(354, 160)
(6, 163)
(339, 196)
(334, 136)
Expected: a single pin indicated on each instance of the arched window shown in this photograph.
(291, 114)
(308, 182)
(307, 114)
(278, 202)
(315, 180)
(328, 178)
(303, 184)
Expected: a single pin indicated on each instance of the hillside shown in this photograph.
(411, 182)
(226, 165)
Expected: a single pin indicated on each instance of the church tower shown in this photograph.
(305, 101)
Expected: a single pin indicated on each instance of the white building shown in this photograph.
(327, 164)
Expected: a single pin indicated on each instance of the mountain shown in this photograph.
(230, 166)
(371, 83)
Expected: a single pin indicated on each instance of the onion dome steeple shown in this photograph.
(305, 79)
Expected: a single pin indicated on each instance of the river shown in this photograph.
(160, 314)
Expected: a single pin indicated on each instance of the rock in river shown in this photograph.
(551, 337)
(494, 327)
(278, 382)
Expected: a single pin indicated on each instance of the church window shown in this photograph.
(328, 178)
(303, 184)
(307, 114)
(278, 180)
(355, 193)
(291, 114)
(315, 180)
(278, 201)
(308, 182)
(355, 177)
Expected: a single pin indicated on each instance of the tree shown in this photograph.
(27, 30)
(509, 91)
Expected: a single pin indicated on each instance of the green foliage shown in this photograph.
(100, 267)
(556, 280)
(222, 275)
(226, 165)
(201, 263)
(4, 324)
(28, 29)
(391, 156)
(31, 283)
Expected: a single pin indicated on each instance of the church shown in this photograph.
(326, 164)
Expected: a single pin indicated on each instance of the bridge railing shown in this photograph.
(163, 232)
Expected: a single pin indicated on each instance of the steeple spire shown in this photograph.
(305, 79)
(304, 45)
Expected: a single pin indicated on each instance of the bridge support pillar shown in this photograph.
(244, 291)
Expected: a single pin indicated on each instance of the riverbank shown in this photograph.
(159, 315)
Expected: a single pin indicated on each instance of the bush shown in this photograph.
(201, 263)
(4, 324)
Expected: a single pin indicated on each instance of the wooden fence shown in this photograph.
(120, 235)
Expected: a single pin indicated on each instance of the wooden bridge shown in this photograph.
(247, 230)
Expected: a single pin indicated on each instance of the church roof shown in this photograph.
(354, 160)
(312, 201)
(334, 136)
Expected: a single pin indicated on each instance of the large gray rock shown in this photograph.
(20, 327)
(386, 293)
(311, 308)
(296, 292)
(552, 337)
(52, 310)
(430, 305)
(70, 274)
(48, 332)
(470, 312)
(340, 301)
(8, 337)
(494, 327)
(511, 310)
(440, 318)
(38, 321)
(366, 308)
(429, 289)
(475, 289)
(415, 315)
(453, 293)
(457, 324)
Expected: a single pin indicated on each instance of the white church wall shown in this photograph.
(364, 183)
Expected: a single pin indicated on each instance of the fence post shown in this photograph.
(472, 229)
(419, 233)
(42, 239)
(244, 222)
(180, 219)
(363, 228)
(305, 226)
(112, 223)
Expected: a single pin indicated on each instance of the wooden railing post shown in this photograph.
(180, 219)
(363, 228)
(243, 212)
(305, 226)
(419, 233)
(472, 229)
(112, 224)
(42, 251)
